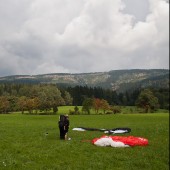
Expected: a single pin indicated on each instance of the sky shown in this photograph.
(82, 36)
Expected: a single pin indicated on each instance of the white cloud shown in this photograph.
(40, 36)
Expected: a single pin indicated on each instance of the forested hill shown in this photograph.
(117, 80)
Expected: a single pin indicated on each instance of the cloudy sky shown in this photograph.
(75, 36)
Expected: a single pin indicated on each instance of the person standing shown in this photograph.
(64, 126)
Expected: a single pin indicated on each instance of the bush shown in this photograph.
(71, 112)
(116, 109)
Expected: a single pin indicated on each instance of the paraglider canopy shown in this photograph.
(120, 141)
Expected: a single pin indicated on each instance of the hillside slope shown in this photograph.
(119, 80)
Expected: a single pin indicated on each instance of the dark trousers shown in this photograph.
(62, 133)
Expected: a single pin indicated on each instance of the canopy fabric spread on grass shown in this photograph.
(120, 141)
(109, 131)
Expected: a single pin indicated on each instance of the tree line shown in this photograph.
(31, 98)
(44, 97)
(127, 98)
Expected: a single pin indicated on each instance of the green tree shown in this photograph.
(104, 105)
(13, 102)
(4, 104)
(50, 97)
(36, 104)
(22, 103)
(76, 110)
(147, 101)
(30, 105)
(87, 105)
(68, 99)
(25, 90)
(115, 109)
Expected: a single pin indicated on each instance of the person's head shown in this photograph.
(66, 116)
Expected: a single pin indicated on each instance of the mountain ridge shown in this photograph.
(117, 80)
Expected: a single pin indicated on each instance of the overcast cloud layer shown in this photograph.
(74, 36)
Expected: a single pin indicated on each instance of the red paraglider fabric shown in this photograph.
(120, 141)
(131, 140)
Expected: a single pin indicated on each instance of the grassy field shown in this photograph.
(24, 144)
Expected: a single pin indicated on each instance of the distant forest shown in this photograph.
(49, 96)
(128, 98)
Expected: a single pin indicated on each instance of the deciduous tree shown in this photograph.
(4, 104)
(147, 101)
(104, 105)
(87, 105)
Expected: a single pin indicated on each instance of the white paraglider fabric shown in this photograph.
(78, 129)
(107, 141)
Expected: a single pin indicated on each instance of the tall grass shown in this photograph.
(25, 145)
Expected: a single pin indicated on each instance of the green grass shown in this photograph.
(24, 145)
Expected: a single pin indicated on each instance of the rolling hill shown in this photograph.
(117, 80)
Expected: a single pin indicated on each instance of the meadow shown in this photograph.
(31, 142)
